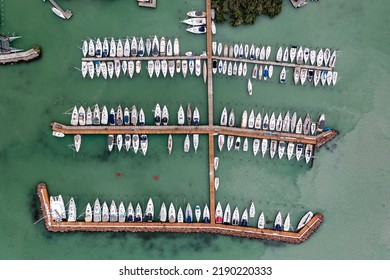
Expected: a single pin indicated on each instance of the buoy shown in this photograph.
(118, 174)
(155, 177)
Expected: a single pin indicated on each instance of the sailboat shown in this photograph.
(170, 143)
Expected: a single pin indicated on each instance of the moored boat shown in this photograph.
(255, 146)
(88, 213)
(261, 221)
(130, 216)
(206, 214)
(227, 215)
(149, 211)
(304, 220)
(113, 212)
(218, 213)
(144, 143)
(97, 214)
(163, 213)
(180, 216)
(235, 217)
(187, 144)
(252, 210)
(188, 214)
(171, 213)
(278, 222)
(77, 142)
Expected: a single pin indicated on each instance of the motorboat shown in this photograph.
(165, 115)
(216, 163)
(299, 126)
(187, 144)
(221, 141)
(281, 149)
(57, 208)
(258, 121)
(273, 148)
(171, 213)
(272, 122)
(176, 47)
(97, 211)
(157, 114)
(112, 48)
(121, 213)
(58, 134)
(197, 213)
(138, 213)
(287, 223)
(81, 115)
(133, 116)
(278, 222)
(230, 141)
(195, 21)
(126, 116)
(279, 123)
(236, 217)
(218, 213)
(261, 221)
(321, 123)
(231, 118)
(266, 122)
(105, 212)
(184, 67)
(135, 142)
(157, 67)
(256, 146)
(264, 146)
(244, 119)
(141, 117)
(127, 140)
(180, 216)
(197, 14)
(130, 215)
(149, 211)
(204, 71)
(197, 29)
(163, 213)
(188, 214)
(104, 116)
(308, 153)
(282, 77)
(113, 212)
(162, 46)
(110, 142)
(144, 143)
(119, 142)
(304, 220)
(170, 143)
(227, 215)
(206, 214)
(196, 118)
(119, 48)
(249, 87)
(189, 114)
(286, 122)
(141, 47)
(88, 213)
(197, 67)
(77, 142)
(195, 141)
(237, 145)
(299, 151)
(155, 46)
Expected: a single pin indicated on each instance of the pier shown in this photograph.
(247, 232)
(28, 55)
(67, 14)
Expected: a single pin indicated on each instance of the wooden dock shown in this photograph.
(128, 58)
(247, 232)
(67, 14)
(28, 55)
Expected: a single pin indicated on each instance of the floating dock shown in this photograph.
(147, 3)
(28, 55)
(248, 232)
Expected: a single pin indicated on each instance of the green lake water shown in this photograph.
(348, 183)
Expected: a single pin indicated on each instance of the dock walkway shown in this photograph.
(28, 55)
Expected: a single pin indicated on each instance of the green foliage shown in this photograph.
(244, 11)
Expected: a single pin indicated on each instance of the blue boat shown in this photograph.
(188, 213)
(111, 117)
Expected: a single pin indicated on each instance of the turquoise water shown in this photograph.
(348, 182)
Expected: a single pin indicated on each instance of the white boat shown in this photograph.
(191, 65)
(313, 128)
(180, 116)
(278, 222)
(264, 146)
(321, 123)
(244, 218)
(162, 46)
(249, 87)
(332, 59)
(84, 48)
(323, 76)
(105, 212)
(81, 115)
(104, 118)
(326, 56)
(110, 142)
(189, 114)
(119, 142)
(262, 53)
(231, 52)
(141, 47)
(230, 141)
(117, 66)
(258, 121)
(287, 223)
(334, 77)
(133, 47)
(219, 49)
(119, 116)
(299, 126)
(157, 114)
(103, 69)
(218, 213)
(237, 145)
(306, 124)
(213, 27)
(272, 122)
(121, 213)
(300, 55)
(197, 14)
(91, 69)
(133, 117)
(252, 210)
(171, 68)
(176, 47)
(143, 139)
(155, 46)
(320, 58)
(135, 142)
(204, 71)
(214, 47)
(119, 48)
(270, 71)
(197, 29)
(58, 134)
(304, 220)
(178, 66)
(124, 66)
(308, 153)
(77, 142)
(293, 52)
(184, 67)
(261, 221)
(252, 52)
(180, 216)
(197, 213)
(148, 46)
(231, 118)
(273, 148)
(141, 117)
(84, 68)
(113, 212)
(221, 141)
(171, 213)
(188, 214)
(224, 67)
(198, 68)
(216, 183)
(279, 54)
(97, 211)
(285, 55)
(236, 217)
(286, 122)
(267, 52)
(216, 163)
(230, 69)
(126, 48)
(293, 122)
(279, 123)
(138, 213)
(149, 211)
(261, 72)
(170, 143)
(290, 150)
(206, 214)
(303, 75)
(255, 146)
(150, 68)
(88, 213)
(281, 149)
(112, 48)
(223, 120)
(196, 117)
(227, 215)
(297, 74)
(57, 208)
(110, 69)
(127, 142)
(97, 68)
(245, 145)
(266, 122)
(240, 51)
(195, 21)
(157, 67)
(299, 151)
(163, 213)
(91, 48)
(195, 141)
(187, 144)
(329, 77)
(130, 217)
(244, 119)
(313, 56)
(244, 70)
(165, 115)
